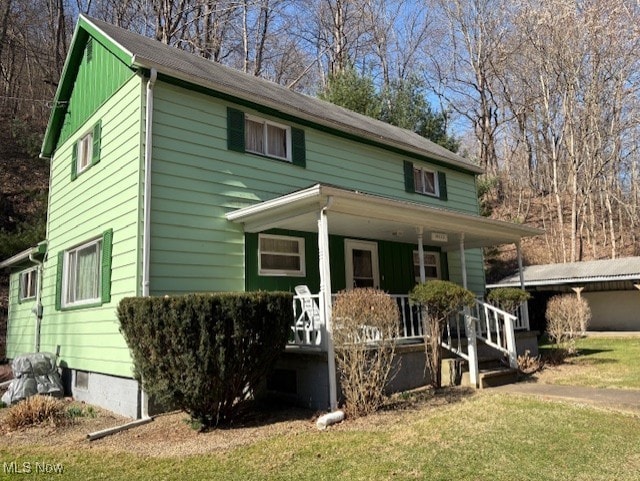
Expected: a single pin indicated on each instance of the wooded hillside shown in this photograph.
(542, 94)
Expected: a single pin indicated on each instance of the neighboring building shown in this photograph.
(172, 174)
(611, 286)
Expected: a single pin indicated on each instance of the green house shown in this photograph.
(171, 174)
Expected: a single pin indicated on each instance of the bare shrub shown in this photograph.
(37, 410)
(567, 318)
(365, 331)
(528, 364)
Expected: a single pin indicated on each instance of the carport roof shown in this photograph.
(604, 270)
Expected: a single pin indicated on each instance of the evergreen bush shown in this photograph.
(508, 298)
(439, 300)
(205, 353)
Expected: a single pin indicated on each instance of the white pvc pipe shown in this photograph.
(329, 419)
(38, 307)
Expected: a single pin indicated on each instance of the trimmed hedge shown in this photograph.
(205, 353)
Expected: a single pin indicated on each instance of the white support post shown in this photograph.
(469, 323)
(423, 276)
(472, 348)
(524, 307)
(325, 302)
(463, 262)
(511, 341)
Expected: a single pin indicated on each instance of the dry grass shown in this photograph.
(37, 410)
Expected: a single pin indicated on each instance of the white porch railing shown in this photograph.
(496, 328)
(492, 326)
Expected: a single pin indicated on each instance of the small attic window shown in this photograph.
(89, 50)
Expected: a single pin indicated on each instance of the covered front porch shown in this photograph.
(365, 240)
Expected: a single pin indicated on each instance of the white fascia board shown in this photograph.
(566, 281)
(289, 200)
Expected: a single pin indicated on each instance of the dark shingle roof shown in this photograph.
(622, 269)
(149, 53)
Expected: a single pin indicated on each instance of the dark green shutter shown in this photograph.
(107, 242)
(442, 185)
(409, 184)
(59, 272)
(74, 161)
(235, 130)
(97, 136)
(298, 149)
(20, 289)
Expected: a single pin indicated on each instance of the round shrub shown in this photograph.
(508, 298)
(567, 318)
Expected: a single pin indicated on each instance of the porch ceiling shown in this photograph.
(356, 214)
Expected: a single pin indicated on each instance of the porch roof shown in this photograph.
(358, 214)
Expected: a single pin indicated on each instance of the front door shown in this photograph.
(361, 264)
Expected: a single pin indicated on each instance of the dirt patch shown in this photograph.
(6, 373)
(171, 435)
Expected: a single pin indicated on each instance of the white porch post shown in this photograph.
(524, 307)
(325, 301)
(469, 323)
(423, 276)
(463, 262)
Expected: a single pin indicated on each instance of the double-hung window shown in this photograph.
(257, 135)
(267, 138)
(281, 255)
(84, 274)
(431, 265)
(423, 180)
(28, 284)
(86, 151)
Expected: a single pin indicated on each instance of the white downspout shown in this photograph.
(148, 150)
(37, 309)
(146, 235)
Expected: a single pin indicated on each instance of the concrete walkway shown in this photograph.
(620, 399)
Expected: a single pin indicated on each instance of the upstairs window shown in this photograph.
(86, 151)
(425, 181)
(431, 265)
(28, 284)
(248, 133)
(267, 138)
(281, 255)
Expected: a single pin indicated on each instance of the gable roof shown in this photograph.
(143, 53)
(622, 269)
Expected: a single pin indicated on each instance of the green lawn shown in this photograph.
(601, 362)
(487, 436)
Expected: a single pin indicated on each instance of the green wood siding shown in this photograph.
(475, 270)
(21, 322)
(106, 196)
(97, 79)
(197, 179)
(395, 261)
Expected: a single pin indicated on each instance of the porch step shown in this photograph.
(492, 373)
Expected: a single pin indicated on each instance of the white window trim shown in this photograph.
(265, 122)
(27, 273)
(85, 149)
(436, 186)
(437, 265)
(65, 276)
(282, 272)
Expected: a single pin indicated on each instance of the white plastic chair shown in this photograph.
(308, 326)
